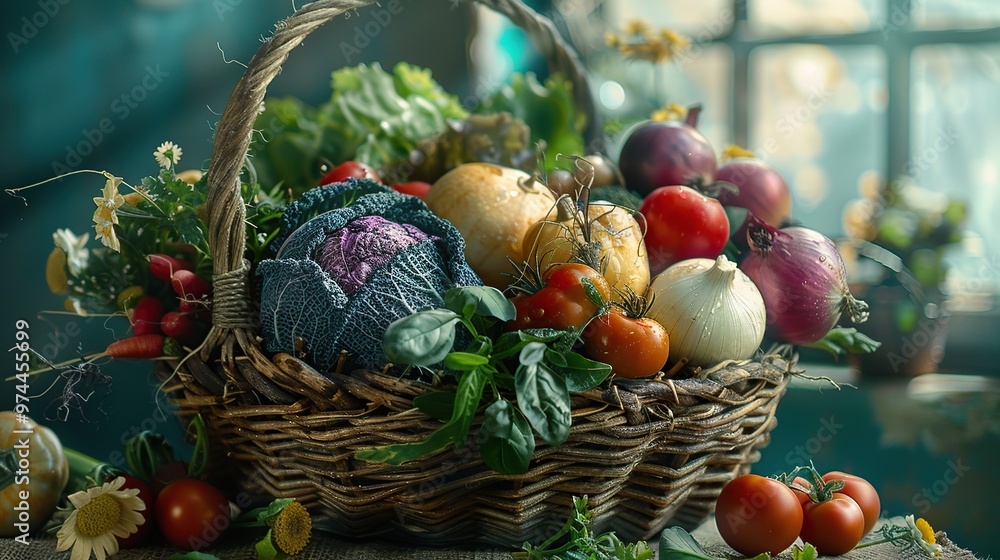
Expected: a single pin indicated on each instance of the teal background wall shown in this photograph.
(63, 75)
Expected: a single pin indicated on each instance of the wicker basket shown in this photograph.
(645, 452)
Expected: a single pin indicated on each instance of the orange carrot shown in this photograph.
(141, 346)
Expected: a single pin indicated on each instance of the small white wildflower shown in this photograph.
(168, 155)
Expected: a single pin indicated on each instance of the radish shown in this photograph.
(189, 286)
(183, 327)
(146, 315)
(163, 267)
(141, 346)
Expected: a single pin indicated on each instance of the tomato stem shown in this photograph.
(821, 490)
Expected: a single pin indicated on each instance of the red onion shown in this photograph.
(802, 279)
(762, 190)
(663, 154)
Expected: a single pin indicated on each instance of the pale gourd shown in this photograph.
(44, 480)
(492, 207)
(613, 246)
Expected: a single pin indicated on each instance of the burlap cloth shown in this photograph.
(327, 548)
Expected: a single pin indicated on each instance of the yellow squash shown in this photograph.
(28, 495)
(610, 240)
(492, 207)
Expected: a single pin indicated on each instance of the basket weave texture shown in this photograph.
(645, 452)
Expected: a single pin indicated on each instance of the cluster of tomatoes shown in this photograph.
(833, 513)
(633, 345)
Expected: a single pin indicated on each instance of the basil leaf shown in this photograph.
(467, 397)
(557, 359)
(505, 440)
(581, 373)
(506, 345)
(544, 399)
(481, 345)
(400, 453)
(421, 339)
(541, 335)
(532, 353)
(464, 361)
(592, 294)
(678, 544)
(480, 300)
(438, 404)
(807, 553)
(470, 391)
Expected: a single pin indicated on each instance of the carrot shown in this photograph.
(189, 286)
(141, 346)
(146, 315)
(163, 267)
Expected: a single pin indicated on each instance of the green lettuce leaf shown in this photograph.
(548, 109)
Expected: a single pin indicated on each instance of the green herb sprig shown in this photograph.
(537, 365)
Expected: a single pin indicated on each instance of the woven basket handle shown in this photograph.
(226, 213)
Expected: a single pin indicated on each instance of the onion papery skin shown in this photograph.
(803, 280)
(712, 311)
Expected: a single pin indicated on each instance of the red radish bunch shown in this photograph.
(156, 331)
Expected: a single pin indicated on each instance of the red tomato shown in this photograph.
(149, 499)
(416, 188)
(862, 492)
(802, 496)
(192, 514)
(682, 224)
(562, 302)
(632, 347)
(347, 170)
(834, 527)
(756, 514)
(165, 474)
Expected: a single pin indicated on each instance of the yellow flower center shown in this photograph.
(292, 529)
(98, 517)
(926, 531)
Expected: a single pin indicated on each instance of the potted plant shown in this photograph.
(898, 237)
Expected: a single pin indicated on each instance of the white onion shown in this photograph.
(711, 310)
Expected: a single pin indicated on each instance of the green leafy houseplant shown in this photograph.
(898, 238)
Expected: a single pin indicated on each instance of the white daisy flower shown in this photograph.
(168, 155)
(99, 515)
